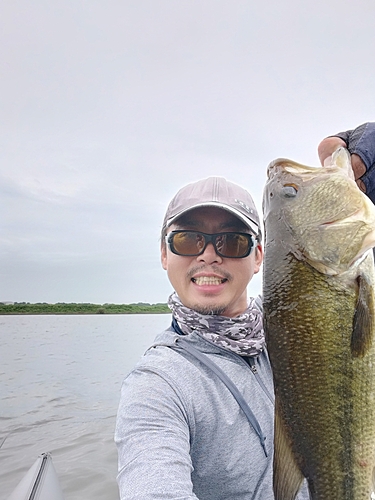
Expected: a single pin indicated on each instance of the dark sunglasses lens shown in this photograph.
(188, 243)
(191, 243)
(233, 244)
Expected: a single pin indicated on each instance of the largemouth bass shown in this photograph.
(319, 314)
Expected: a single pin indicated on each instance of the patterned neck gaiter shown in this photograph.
(243, 334)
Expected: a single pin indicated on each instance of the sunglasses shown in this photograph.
(192, 243)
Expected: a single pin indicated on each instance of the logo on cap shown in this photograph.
(244, 206)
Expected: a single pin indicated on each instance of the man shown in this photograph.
(195, 418)
(181, 433)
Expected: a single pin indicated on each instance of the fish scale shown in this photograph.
(324, 387)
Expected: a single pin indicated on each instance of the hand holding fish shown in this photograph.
(360, 143)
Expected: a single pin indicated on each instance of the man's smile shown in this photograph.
(208, 280)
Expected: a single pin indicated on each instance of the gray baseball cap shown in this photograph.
(214, 192)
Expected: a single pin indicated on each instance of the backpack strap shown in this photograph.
(182, 345)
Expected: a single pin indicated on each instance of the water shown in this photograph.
(60, 379)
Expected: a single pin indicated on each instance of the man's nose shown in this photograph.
(209, 255)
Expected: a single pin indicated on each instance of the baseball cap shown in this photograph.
(214, 192)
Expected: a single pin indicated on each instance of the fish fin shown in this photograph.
(363, 321)
(287, 477)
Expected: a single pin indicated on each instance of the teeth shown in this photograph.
(208, 280)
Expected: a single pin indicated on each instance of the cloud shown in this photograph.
(109, 108)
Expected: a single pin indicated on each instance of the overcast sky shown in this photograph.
(108, 107)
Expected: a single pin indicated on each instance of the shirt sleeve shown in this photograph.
(153, 440)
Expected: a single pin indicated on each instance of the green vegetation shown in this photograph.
(72, 308)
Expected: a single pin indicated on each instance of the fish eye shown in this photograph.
(290, 190)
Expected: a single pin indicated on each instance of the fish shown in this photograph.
(319, 321)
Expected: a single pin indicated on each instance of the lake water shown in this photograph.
(60, 379)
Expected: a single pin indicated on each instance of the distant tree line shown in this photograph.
(82, 308)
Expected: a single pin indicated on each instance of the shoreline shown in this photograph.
(26, 308)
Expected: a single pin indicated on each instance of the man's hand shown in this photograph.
(326, 149)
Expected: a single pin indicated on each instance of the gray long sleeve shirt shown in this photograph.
(181, 434)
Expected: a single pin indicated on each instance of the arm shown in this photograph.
(153, 440)
(360, 143)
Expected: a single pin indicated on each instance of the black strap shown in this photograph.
(181, 344)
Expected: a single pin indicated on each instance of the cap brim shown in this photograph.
(253, 226)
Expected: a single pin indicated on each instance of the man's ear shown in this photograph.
(164, 256)
(258, 258)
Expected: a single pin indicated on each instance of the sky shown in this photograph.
(108, 107)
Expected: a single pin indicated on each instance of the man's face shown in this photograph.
(208, 283)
